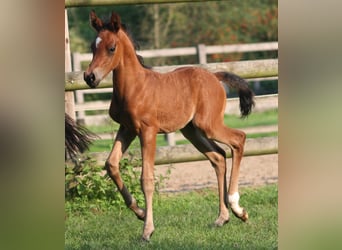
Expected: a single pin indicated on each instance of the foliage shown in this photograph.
(87, 182)
(182, 221)
(187, 24)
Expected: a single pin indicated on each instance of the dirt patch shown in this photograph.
(254, 171)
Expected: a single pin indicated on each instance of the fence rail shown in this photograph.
(212, 49)
(84, 3)
(232, 109)
(200, 50)
(245, 69)
(187, 152)
(263, 103)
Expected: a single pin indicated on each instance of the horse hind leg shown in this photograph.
(235, 139)
(216, 156)
(121, 143)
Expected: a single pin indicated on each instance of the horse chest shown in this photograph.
(125, 115)
(118, 113)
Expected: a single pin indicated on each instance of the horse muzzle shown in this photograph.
(90, 79)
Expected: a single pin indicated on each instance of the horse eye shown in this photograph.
(112, 49)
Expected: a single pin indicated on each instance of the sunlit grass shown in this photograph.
(182, 221)
(269, 117)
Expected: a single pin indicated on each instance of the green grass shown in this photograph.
(269, 117)
(110, 127)
(106, 145)
(182, 221)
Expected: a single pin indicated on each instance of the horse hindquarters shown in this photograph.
(209, 120)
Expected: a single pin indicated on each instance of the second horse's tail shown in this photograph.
(77, 138)
(246, 95)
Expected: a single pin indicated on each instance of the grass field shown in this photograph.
(255, 119)
(182, 221)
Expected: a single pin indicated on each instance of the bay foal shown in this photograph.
(144, 103)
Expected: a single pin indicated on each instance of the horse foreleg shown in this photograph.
(148, 148)
(122, 141)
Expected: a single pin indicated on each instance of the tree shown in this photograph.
(187, 24)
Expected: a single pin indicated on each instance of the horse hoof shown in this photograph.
(141, 214)
(146, 237)
(220, 222)
(243, 216)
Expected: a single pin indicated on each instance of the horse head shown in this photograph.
(105, 49)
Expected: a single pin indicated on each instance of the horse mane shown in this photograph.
(136, 45)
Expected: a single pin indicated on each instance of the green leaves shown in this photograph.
(186, 24)
(87, 182)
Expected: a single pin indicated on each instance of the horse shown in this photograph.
(145, 103)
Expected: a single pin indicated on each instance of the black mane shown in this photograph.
(135, 45)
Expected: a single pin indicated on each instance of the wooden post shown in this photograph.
(77, 66)
(69, 101)
(202, 54)
(170, 138)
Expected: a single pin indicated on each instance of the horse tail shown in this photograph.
(246, 95)
(77, 137)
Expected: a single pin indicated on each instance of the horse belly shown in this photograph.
(177, 101)
(175, 119)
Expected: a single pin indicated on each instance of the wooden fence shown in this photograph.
(245, 69)
(82, 3)
(187, 152)
(201, 50)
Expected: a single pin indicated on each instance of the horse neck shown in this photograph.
(129, 62)
(129, 68)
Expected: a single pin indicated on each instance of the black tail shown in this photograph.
(77, 138)
(246, 95)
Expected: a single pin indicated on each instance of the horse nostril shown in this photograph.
(92, 77)
(89, 78)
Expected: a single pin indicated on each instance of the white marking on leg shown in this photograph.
(97, 41)
(234, 203)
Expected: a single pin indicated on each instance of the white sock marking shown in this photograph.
(234, 202)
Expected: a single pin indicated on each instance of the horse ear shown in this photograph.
(115, 22)
(95, 22)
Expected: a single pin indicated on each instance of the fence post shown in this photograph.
(170, 138)
(202, 54)
(69, 101)
(77, 66)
